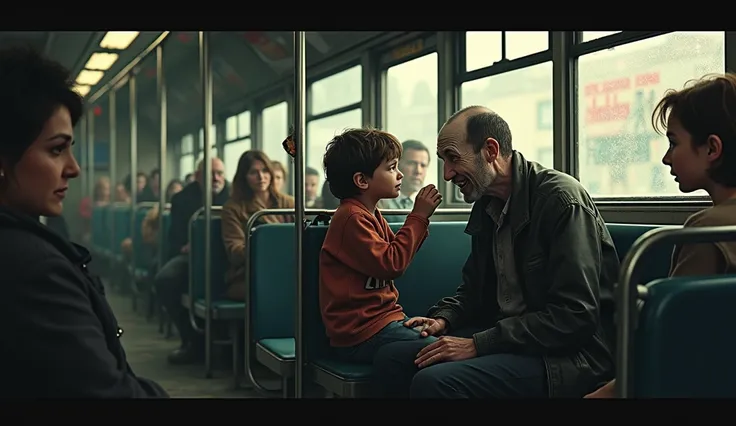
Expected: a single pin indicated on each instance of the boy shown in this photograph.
(361, 256)
(700, 124)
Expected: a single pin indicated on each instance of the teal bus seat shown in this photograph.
(164, 249)
(121, 216)
(222, 308)
(99, 228)
(655, 263)
(684, 345)
(272, 296)
(142, 253)
(436, 270)
(434, 273)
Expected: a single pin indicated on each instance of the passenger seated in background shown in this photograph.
(253, 190)
(100, 197)
(149, 227)
(700, 123)
(122, 192)
(150, 193)
(172, 281)
(279, 176)
(414, 164)
(311, 182)
(361, 256)
(525, 320)
(60, 339)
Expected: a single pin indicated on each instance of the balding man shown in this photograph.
(173, 279)
(525, 320)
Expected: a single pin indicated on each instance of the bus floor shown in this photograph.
(147, 351)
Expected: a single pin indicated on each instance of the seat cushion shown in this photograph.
(284, 348)
(345, 370)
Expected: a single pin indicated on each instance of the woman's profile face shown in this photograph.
(38, 183)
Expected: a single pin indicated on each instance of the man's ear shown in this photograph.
(491, 150)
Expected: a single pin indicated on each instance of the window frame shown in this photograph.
(335, 111)
(579, 48)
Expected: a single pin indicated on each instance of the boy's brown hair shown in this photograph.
(357, 151)
(707, 107)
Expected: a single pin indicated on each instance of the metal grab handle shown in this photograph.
(625, 295)
(248, 246)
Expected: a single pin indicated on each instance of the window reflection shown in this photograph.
(619, 152)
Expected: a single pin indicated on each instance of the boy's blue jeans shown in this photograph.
(395, 331)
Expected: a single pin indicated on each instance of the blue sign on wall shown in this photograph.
(102, 154)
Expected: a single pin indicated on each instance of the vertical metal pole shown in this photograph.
(163, 173)
(113, 171)
(206, 73)
(133, 158)
(299, 125)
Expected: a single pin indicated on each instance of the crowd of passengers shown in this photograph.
(526, 321)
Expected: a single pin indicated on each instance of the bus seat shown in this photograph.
(141, 251)
(655, 262)
(121, 217)
(273, 295)
(684, 344)
(434, 273)
(436, 270)
(222, 308)
(99, 227)
(165, 241)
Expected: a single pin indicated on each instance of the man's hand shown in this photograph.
(428, 326)
(185, 249)
(447, 348)
(604, 392)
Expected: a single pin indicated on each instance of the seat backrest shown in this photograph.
(684, 345)
(655, 263)
(436, 270)
(434, 273)
(272, 280)
(142, 253)
(121, 215)
(316, 343)
(100, 234)
(218, 257)
(165, 232)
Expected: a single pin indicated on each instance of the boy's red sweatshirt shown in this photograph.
(359, 260)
